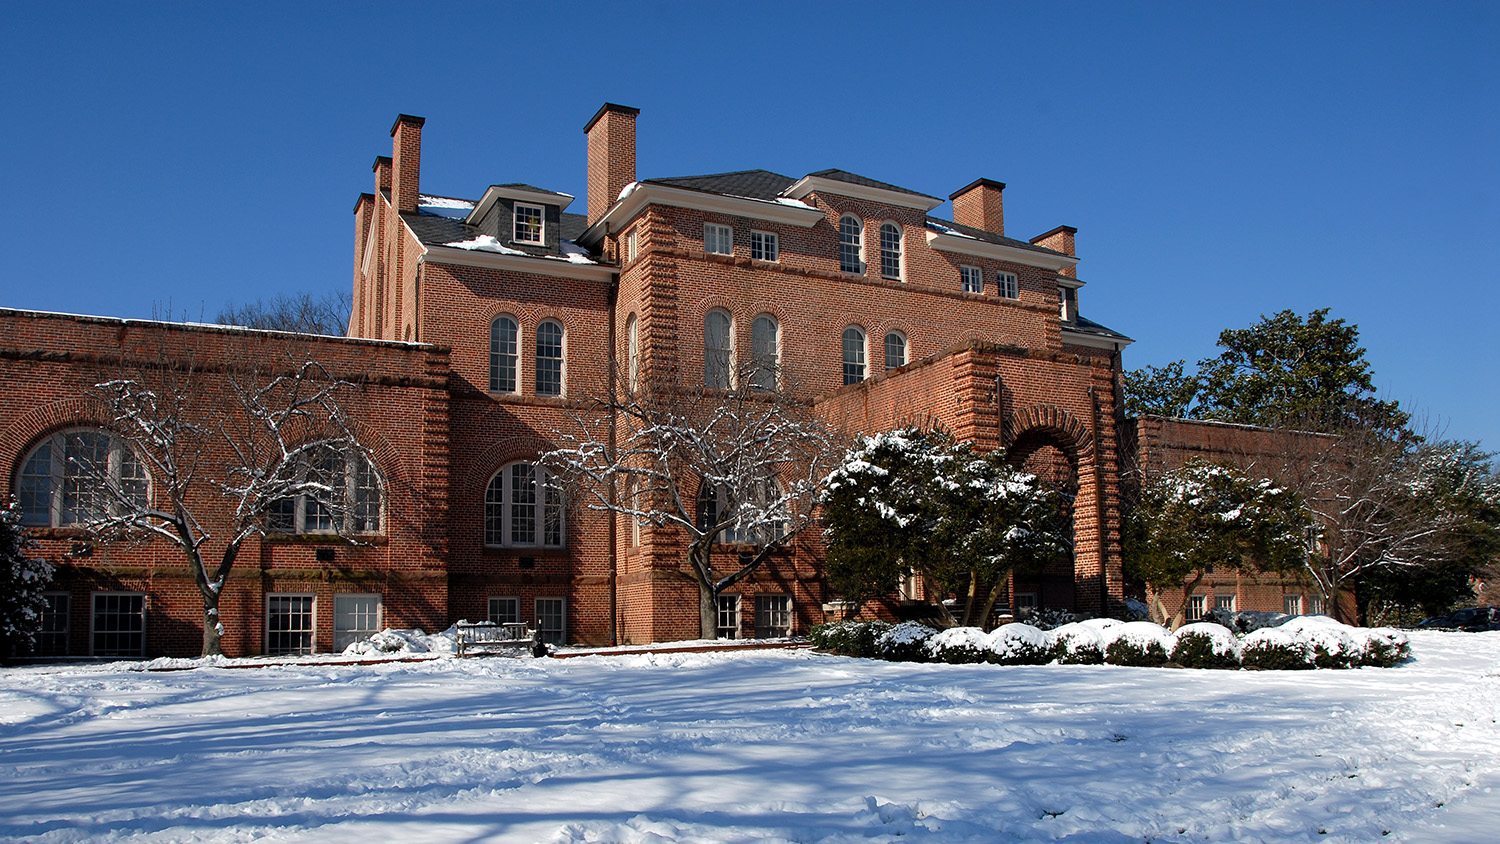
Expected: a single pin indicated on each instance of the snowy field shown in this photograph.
(777, 746)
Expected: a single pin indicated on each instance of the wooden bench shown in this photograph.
(486, 636)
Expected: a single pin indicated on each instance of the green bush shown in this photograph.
(1019, 644)
(1384, 651)
(905, 642)
(850, 638)
(1123, 651)
(1277, 654)
(1195, 649)
(1074, 644)
(959, 646)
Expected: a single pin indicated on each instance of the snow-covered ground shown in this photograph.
(778, 746)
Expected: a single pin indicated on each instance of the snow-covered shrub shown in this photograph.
(1019, 644)
(1334, 644)
(905, 642)
(850, 638)
(1276, 649)
(1136, 643)
(1047, 618)
(1205, 644)
(1247, 621)
(1077, 644)
(1384, 647)
(959, 645)
(391, 642)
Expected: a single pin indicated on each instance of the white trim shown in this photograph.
(772, 239)
(494, 192)
(433, 254)
(1068, 281)
(821, 184)
(1094, 341)
(541, 223)
(629, 206)
(961, 245)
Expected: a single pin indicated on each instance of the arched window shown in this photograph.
(549, 358)
(755, 523)
(351, 505)
(890, 250)
(854, 355)
(895, 350)
(718, 359)
(523, 508)
(78, 476)
(851, 244)
(504, 350)
(633, 353)
(765, 351)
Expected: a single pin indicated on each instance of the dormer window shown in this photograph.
(528, 223)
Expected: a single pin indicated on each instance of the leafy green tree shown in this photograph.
(909, 502)
(1160, 391)
(1205, 515)
(22, 580)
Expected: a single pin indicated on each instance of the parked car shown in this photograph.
(1470, 618)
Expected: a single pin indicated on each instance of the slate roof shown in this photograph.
(856, 179)
(755, 184)
(988, 237)
(433, 230)
(1083, 325)
(532, 188)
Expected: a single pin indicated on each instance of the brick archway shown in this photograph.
(1051, 443)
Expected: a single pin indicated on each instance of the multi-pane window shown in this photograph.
(355, 617)
(1025, 600)
(80, 475)
(504, 351)
(344, 481)
(528, 223)
(52, 639)
(773, 616)
(890, 250)
(119, 627)
(729, 617)
(289, 624)
(1291, 604)
(552, 620)
(851, 244)
(895, 350)
(1224, 602)
(549, 358)
(633, 352)
(1196, 607)
(765, 352)
(505, 610)
(1315, 605)
(1006, 286)
(717, 239)
(764, 246)
(755, 523)
(971, 279)
(854, 355)
(717, 347)
(523, 507)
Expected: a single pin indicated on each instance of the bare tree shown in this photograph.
(202, 440)
(744, 466)
(299, 312)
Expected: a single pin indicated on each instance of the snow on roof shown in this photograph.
(485, 243)
(444, 206)
(574, 253)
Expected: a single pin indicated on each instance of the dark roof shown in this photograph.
(1087, 326)
(532, 188)
(755, 184)
(856, 179)
(432, 230)
(989, 237)
(572, 225)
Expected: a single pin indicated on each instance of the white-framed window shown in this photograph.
(1025, 600)
(890, 250)
(289, 624)
(505, 351)
(528, 223)
(79, 475)
(717, 239)
(631, 244)
(851, 244)
(1067, 304)
(504, 609)
(718, 350)
(552, 620)
(356, 496)
(355, 617)
(773, 616)
(971, 280)
(1291, 604)
(549, 358)
(1196, 607)
(52, 639)
(633, 352)
(714, 501)
(1315, 605)
(729, 617)
(119, 624)
(1006, 286)
(523, 508)
(765, 352)
(854, 354)
(765, 246)
(1224, 602)
(895, 350)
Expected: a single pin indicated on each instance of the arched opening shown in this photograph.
(1051, 456)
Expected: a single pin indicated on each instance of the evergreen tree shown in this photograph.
(22, 580)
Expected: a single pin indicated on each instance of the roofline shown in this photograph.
(215, 327)
(615, 107)
(1095, 341)
(529, 264)
(822, 184)
(494, 192)
(637, 198)
(962, 245)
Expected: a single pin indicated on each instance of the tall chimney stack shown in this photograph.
(406, 155)
(611, 134)
(1059, 239)
(979, 205)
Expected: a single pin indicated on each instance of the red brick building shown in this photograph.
(479, 323)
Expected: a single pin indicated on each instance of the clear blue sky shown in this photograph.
(1220, 161)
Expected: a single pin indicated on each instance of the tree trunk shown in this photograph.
(989, 605)
(708, 603)
(213, 629)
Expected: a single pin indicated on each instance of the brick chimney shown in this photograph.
(1059, 239)
(406, 156)
(979, 205)
(611, 134)
(382, 170)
